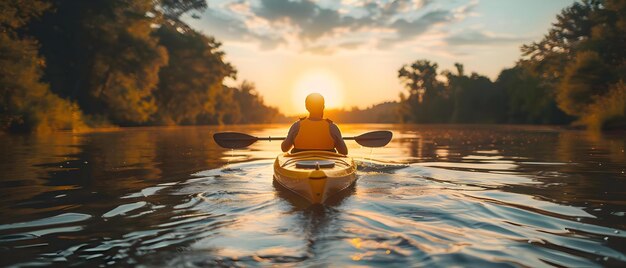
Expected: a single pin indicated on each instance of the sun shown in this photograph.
(318, 81)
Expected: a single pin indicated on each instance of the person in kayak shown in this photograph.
(314, 132)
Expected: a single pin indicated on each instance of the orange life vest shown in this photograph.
(314, 135)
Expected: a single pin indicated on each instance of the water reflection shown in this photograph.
(437, 195)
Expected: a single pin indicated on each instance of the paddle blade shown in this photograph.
(374, 139)
(233, 140)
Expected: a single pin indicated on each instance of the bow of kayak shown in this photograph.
(315, 175)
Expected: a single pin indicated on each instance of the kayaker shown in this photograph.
(314, 132)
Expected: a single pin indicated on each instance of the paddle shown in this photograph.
(236, 140)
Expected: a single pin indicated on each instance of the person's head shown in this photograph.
(314, 103)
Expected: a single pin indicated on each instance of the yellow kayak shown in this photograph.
(315, 175)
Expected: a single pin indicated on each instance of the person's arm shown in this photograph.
(340, 145)
(291, 137)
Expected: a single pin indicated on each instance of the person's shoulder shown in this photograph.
(296, 124)
(332, 124)
(300, 119)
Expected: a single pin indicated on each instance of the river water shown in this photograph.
(435, 196)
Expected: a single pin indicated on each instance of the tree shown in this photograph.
(26, 104)
(173, 9)
(251, 105)
(583, 56)
(102, 54)
(191, 84)
(426, 95)
(528, 100)
(126, 62)
(474, 99)
(585, 79)
(608, 110)
(456, 85)
(227, 109)
(550, 55)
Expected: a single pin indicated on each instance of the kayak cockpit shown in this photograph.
(314, 175)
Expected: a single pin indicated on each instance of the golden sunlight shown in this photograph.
(320, 81)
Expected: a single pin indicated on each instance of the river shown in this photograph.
(436, 196)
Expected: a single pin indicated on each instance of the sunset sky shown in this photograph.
(350, 51)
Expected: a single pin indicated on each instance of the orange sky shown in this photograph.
(350, 51)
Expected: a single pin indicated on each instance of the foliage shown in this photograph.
(251, 106)
(26, 104)
(475, 99)
(385, 112)
(518, 96)
(241, 105)
(191, 84)
(17, 13)
(426, 95)
(118, 61)
(583, 56)
(456, 99)
(584, 79)
(102, 54)
(579, 67)
(528, 100)
(136, 62)
(173, 9)
(608, 110)
(227, 109)
(549, 56)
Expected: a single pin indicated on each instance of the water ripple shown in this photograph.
(442, 203)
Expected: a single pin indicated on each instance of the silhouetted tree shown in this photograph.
(584, 56)
(103, 55)
(385, 112)
(127, 62)
(550, 55)
(174, 9)
(528, 100)
(192, 81)
(426, 95)
(251, 105)
(227, 108)
(585, 79)
(475, 98)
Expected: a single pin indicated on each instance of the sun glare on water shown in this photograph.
(320, 81)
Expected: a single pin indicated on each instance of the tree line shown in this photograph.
(68, 64)
(576, 74)
(385, 112)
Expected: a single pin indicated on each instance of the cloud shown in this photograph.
(466, 10)
(312, 20)
(230, 28)
(323, 27)
(478, 37)
(319, 50)
(408, 29)
(278, 9)
(351, 45)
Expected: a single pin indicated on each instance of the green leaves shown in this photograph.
(191, 83)
(584, 79)
(124, 62)
(26, 103)
(426, 95)
(583, 56)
